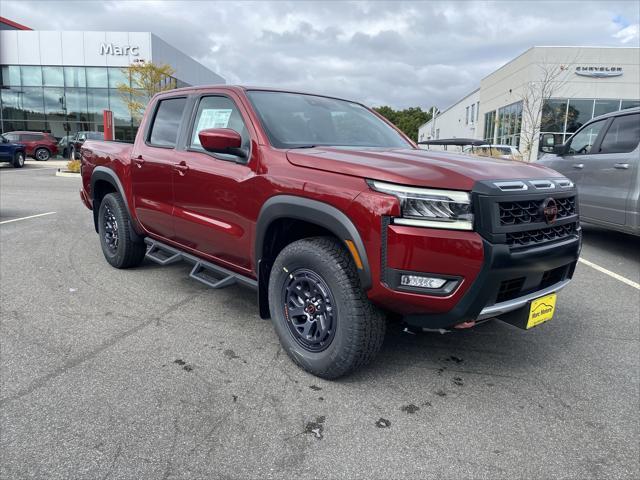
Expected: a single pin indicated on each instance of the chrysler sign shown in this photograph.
(599, 72)
(111, 49)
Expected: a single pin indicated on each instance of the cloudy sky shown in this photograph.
(382, 53)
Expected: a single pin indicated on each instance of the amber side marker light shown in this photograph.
(354, 252)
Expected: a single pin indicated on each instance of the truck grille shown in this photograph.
(540, 235)
(529, 211)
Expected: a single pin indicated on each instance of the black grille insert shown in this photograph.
(510, 289)
(540, 235)
(529, 211)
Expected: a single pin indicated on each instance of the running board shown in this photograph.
(208, 273)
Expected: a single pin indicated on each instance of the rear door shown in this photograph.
(607, 177)
(153, 166)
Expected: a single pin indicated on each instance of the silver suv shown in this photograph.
(602, 159)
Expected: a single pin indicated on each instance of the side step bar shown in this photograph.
(208, 273)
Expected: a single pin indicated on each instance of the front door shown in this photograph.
(608, 174)
(153, 167)
(214, 200)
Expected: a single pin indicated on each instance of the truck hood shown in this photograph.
(430, 168)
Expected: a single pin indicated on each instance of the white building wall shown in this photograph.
(70, 48)
(452, 122)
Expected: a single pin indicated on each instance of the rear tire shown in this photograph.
(115, 234)
(18, 160)
(323, 318)
(42, 154)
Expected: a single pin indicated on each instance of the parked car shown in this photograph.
(602, 160)
(63, 145)
(334, 216)
(75, 144)
(11, 151)
(506, 152)
(39, 145)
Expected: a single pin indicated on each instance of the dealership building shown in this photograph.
(61, 82)
(586, 82)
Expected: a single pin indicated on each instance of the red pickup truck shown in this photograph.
(334, 216)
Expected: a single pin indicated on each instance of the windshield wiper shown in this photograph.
(303, 146)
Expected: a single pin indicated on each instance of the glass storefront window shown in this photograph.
(489, 126)
(97, 101)
(509, 124)
(553, 115)
(579, 112)
(76, 103)
(605, 106)
(117, 77)
(629, 104)
(52, 77)
(31, 76)
(11, 75)
(54, 104)
(121, 114)
(75, 77)
(97, 77)
(12, 104)
(32, 102)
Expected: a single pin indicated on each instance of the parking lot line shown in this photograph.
(26, 218)
(610, 273)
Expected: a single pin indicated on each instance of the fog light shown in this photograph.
(421, 282)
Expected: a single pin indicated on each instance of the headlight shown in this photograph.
(426, 207)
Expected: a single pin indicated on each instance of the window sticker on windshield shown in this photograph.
(212, 118)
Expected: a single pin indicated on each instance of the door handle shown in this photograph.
(621, 166)
(181, 167)
(139, 161)
(579, 166)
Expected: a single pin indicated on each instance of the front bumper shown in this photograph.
(508, 281)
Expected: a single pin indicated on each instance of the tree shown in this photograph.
(408, 120)
(147, 79)
(535, 110)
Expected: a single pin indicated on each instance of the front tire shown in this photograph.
(115, 234)
(18, 160)
(42, 154)
(323, 318)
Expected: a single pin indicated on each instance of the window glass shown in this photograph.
(553, 115)
(473, 112)
(629, 104)
(489, 126)
(578, 113)
(118, 76)
(12, 137)
(75, 77)
(605, 106)
(12, 103)
(32, 103)
(54, 104)
(166, 123)
(52, 77)
(623, 135)
(296, 120)
(118, 105)
(11, 75)
(76, 103)
(466, 116)
(31, 76)
(97, 102)
(582, 141)
(218, 112)
(97, 77)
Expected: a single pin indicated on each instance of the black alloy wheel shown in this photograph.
(309, 308)
(110, 230)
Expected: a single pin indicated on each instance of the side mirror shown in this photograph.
(222, 140)
(560, 149)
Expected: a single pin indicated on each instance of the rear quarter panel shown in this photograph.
(112, 155)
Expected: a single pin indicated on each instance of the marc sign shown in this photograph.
(111, 49)
(599, 72)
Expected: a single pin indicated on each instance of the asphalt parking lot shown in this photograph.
(147, 374)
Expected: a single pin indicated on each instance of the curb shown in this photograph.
(61, 173)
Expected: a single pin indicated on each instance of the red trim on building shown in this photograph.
(13, 24)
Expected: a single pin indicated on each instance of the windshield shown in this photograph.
(294, 120)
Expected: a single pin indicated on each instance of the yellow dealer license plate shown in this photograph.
(541, 310)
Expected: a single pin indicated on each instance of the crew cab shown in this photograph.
(333, 216)
(12, 152)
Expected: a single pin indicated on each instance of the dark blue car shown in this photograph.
(12, 152)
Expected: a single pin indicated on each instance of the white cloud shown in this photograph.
(628, 34)
(397, 53)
